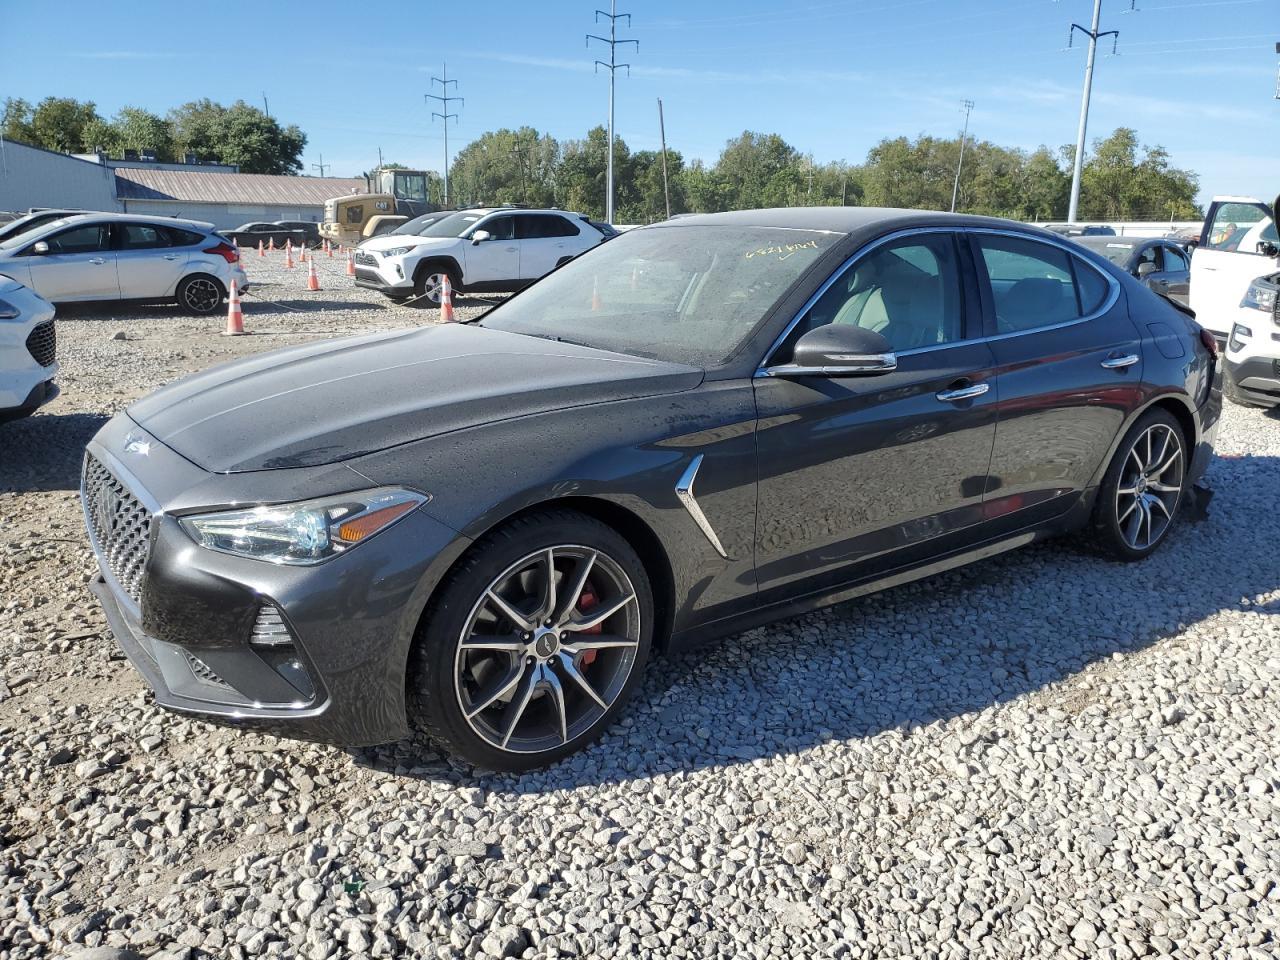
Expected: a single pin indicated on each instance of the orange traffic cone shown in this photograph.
(351, 264)
(261, 252)
(288, 254)
(328, 249)
(235, 316)
(446, 300)
(271, 243)
(313, 282)
(595, 295)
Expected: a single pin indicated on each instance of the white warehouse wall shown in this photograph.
(224, 216)
(31, 177)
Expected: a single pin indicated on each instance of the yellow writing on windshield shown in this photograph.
(783, 250)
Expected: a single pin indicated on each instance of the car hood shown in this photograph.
(333, 400)
(390, 240)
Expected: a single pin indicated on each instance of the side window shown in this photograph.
(1150, 255)
(1031, 283)
(1091, 286)
(558, 226)
(183, 238)
(500, 228)
(1236, 228)
(531, 227)
(1175, 260)
(86, 239)
(907, 291)
(141, 236)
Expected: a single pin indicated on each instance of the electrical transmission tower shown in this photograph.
(612, 66)
(321, 166)
(1094, 35)
(955, 191)
(444, 100)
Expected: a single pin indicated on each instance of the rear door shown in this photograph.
(1227, 260)
(147, 262)
(1069, 370)
(545, 239)
(497, 259)
(80, 265)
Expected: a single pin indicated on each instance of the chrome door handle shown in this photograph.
(97, 260)
(1119, 363)
(963, 393)
(511, 249)
(171, 256)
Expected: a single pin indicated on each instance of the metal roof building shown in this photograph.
(227, 199)
(35, 177)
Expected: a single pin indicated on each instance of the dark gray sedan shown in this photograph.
(1161, 264)
(486, 530)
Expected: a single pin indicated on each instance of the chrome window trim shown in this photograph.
(1108, 302)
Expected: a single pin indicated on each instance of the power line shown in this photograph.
(444, 100)
(1093, 33)
(612, 66)
(955, 191)
(321, 166)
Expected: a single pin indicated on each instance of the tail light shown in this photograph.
(1210, 343)
(224, 250)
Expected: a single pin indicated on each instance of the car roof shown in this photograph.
(139, 218)
(839, 219)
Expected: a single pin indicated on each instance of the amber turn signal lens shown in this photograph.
(353, 531)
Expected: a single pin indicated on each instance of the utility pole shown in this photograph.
(612, 66)
(955, 191)
(1093, 34)
(662, 131)
(265, 107)
(321, 166)
(444, 100)
(379, 158)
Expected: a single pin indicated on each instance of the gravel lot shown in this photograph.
(1042, 755)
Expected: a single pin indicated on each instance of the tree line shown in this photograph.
(1122, 178)
(240, 134)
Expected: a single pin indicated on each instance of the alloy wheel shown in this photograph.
(1150, 486)
(547, 649)
(202, 296)
(431, 285)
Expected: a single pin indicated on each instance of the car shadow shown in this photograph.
(922, 654)
(59, 440)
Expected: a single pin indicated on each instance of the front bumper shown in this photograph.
(385, 276)
(1254, 379)
(188, 622)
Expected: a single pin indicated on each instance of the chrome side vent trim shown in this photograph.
(203, 671)
(684, 491)
(269, 629)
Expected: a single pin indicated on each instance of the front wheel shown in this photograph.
(1143, 488)
(200, 294)
(534, 643)
(430, 282)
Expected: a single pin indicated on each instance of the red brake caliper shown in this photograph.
(586, 601)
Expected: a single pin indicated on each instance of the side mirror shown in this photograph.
(1268, 249)
(839, 350)
(40, 248)
(1146, 269)
(479, 236)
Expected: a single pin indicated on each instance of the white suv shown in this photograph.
(484, 250)
(28, 351)
(1238, 243)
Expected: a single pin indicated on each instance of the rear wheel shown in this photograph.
(201, 294)
(535, 643)
(1143, 488)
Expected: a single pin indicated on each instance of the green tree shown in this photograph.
(580, 185)
(16, 122)
(58, 123)
(506, 166)
(138, 129)
(240, 134)
(760, 170)
(1125, 181)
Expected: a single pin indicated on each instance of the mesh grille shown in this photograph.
(366, 259)
(121, 525)
(203, 672)
(42, 343)
(269, 629)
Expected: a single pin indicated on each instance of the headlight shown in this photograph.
(8, 311)
(1258, 297)
(304, 533)
(396, 251)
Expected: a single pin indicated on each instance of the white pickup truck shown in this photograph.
(1237, 243)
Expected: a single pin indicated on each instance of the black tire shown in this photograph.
(1126, 483)
(423, 282)
(437, 675)
(201, 294)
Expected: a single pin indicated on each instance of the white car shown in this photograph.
(28, 351)
(1253, 348)
(483, 250)
(1237, 243)
(117, 256)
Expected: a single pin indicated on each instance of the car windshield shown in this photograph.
(24, 236)
(687, 294)
(1117, 251)
(413, 228)
(454, 225)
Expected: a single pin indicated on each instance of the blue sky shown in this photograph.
(831, 76)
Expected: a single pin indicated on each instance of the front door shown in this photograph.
(80, 265)
(1174, 278)
(1069, 362)
(146, 262)
(497, 258)
(1227, 261)
(857, 474)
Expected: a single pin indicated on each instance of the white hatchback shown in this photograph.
(480, 250)
(112, 256)
(28, 351)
